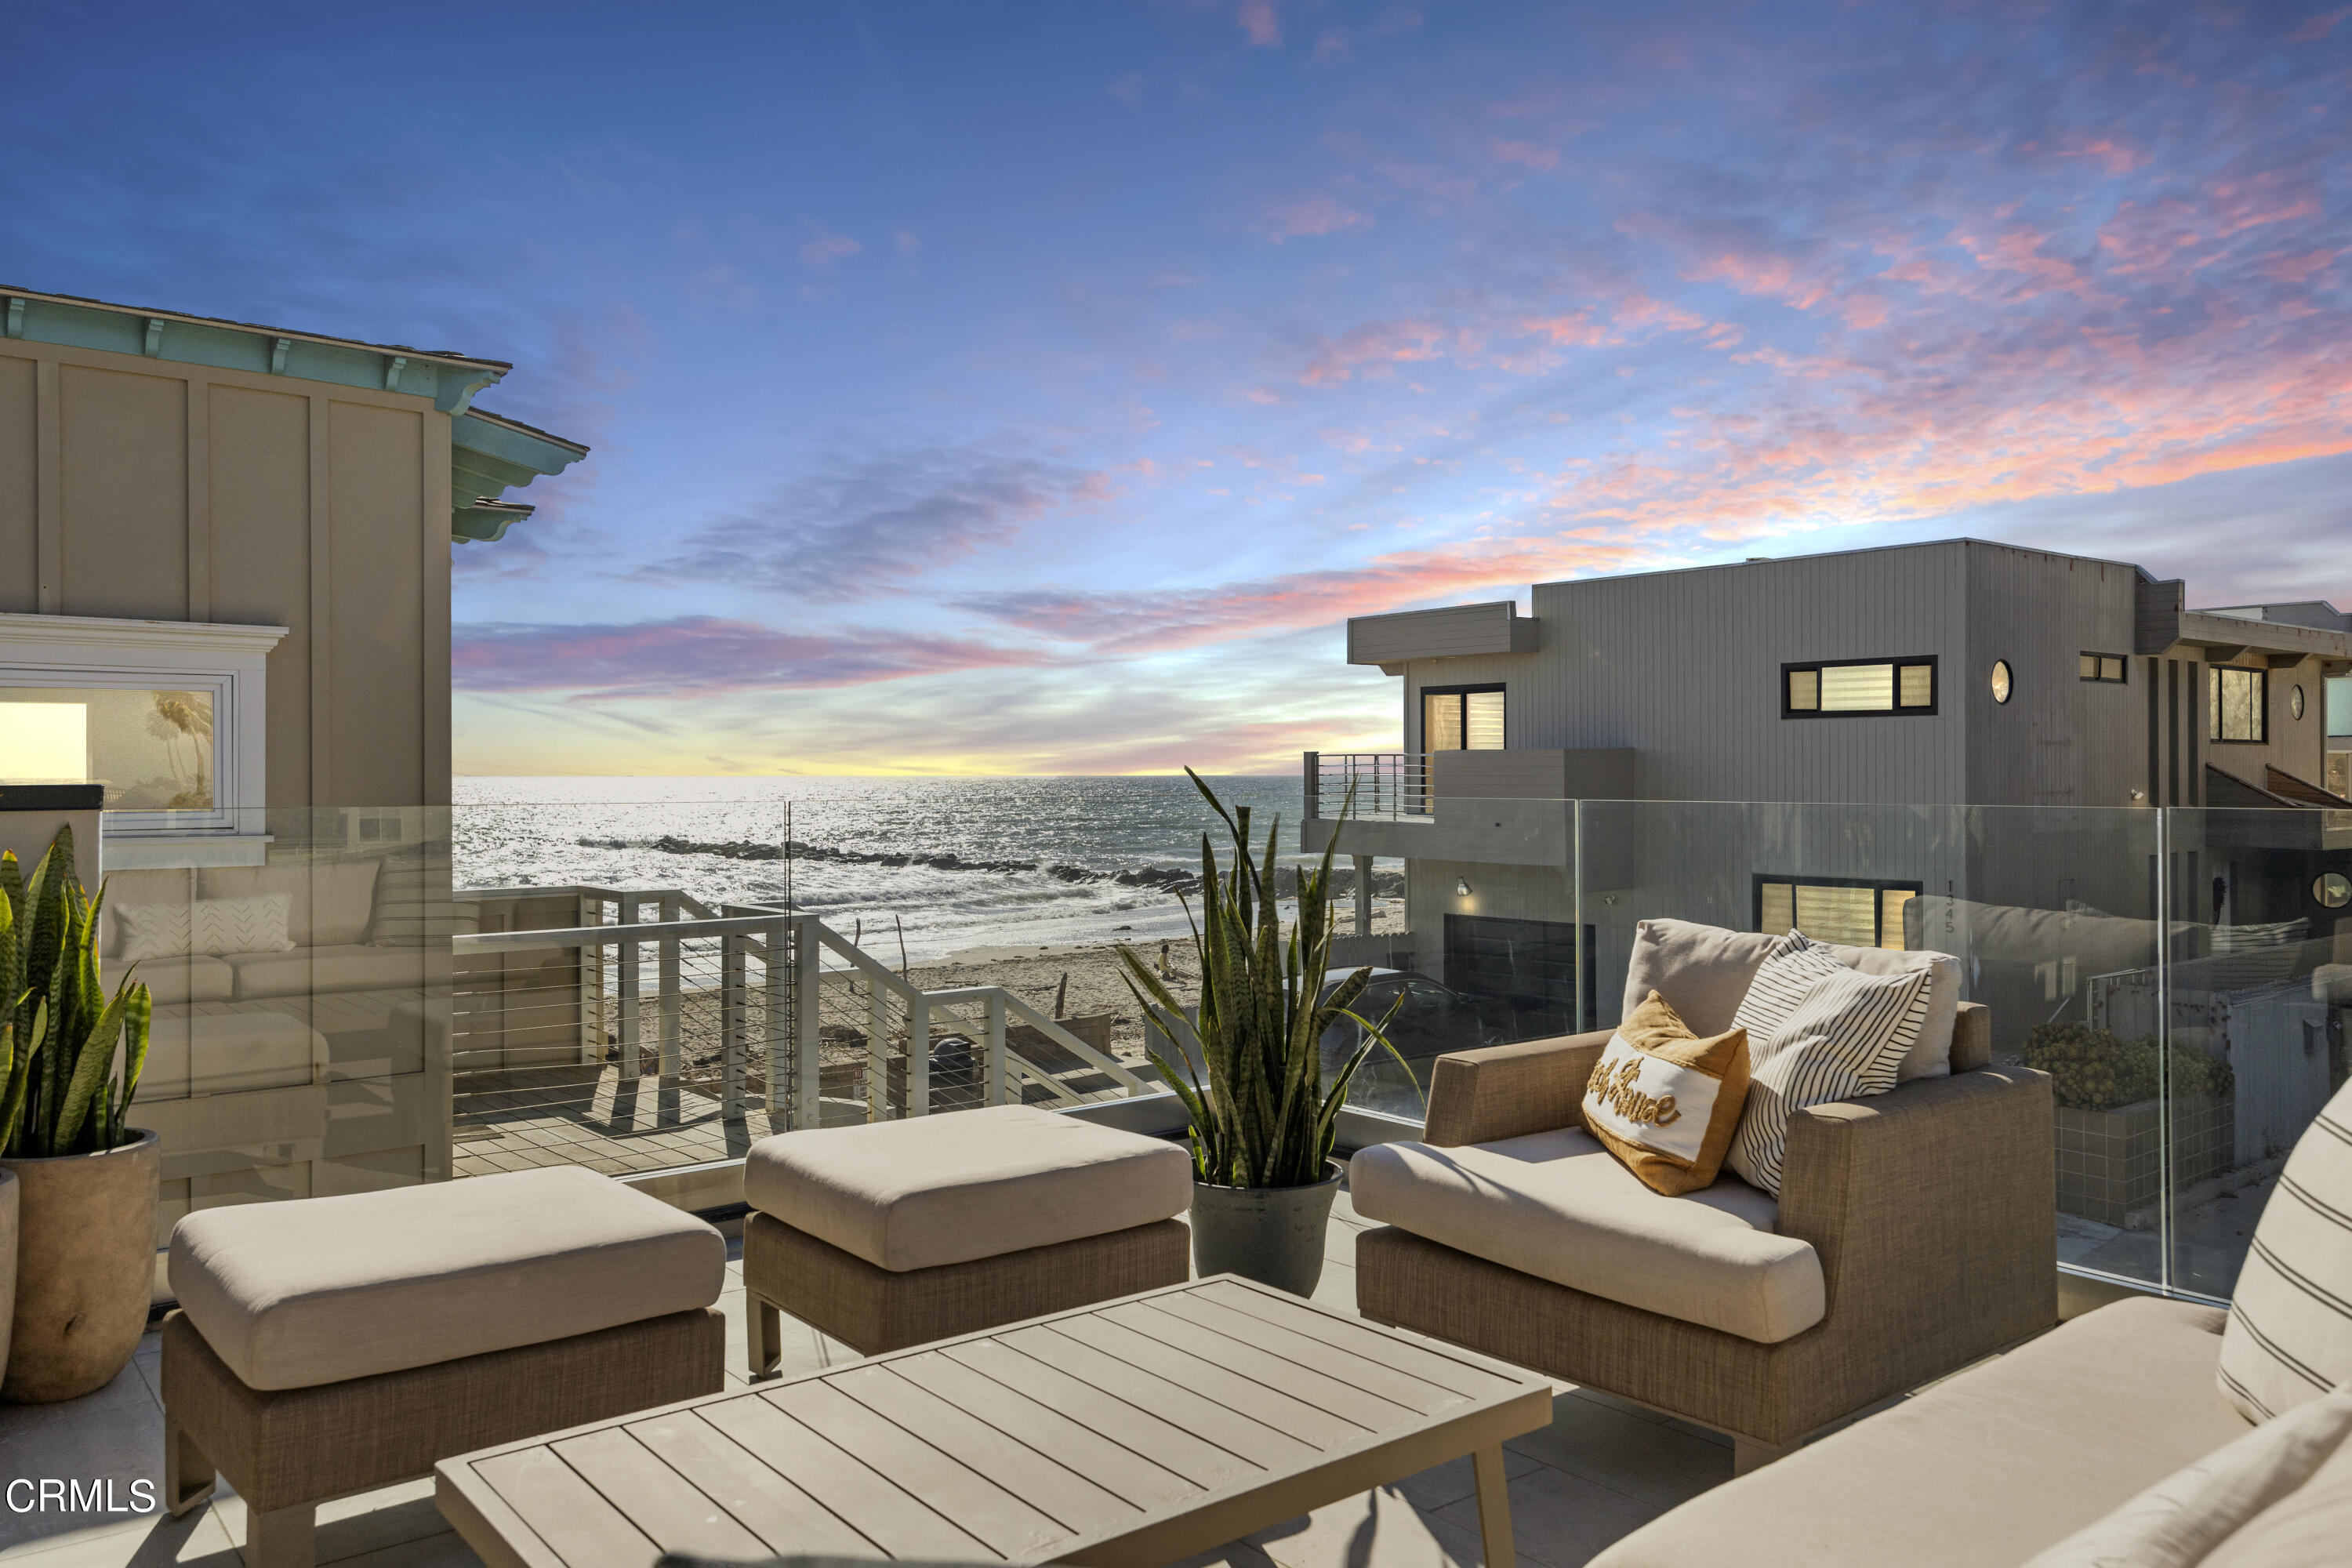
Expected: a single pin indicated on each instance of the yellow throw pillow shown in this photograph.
(1665, 1101)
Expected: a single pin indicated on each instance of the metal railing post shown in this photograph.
(993, 1092)
(732, 1009)
(588, 991)
(808, 1000)
(669, 1000)
(918, 1055)
(774, 1041)
(877, 1053)
(631, 1041)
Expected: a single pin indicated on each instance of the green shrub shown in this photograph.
(2095, 1069)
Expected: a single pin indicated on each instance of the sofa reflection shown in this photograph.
(300, 1038)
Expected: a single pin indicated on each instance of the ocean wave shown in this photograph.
(1163, 879)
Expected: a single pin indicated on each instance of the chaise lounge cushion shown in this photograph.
(296, 1295)
(935, 1190)
(2290, 1335)
(1558, 1206)
(1983, 1470)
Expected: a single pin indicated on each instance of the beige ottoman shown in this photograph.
(904, 1232)
(335, 1345)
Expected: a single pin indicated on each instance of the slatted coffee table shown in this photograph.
(1126, 1435)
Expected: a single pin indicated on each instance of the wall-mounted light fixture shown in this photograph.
(1461, 887)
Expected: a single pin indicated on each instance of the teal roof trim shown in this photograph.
(489, 455)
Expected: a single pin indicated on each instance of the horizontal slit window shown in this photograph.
(1851, 913)
(1858, 687)
(2104, 668)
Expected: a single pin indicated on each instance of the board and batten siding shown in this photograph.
(153, 489)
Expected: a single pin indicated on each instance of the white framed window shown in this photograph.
(169, 716)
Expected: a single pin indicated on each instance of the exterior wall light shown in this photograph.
(1461, 887)
(2002, 686)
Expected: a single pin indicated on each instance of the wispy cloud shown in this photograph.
(1311, 217)
(876, 523)
(702, 656)
(1259, 25)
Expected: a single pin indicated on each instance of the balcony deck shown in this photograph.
(1600, 1471)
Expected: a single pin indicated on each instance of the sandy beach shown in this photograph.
(1094, 977)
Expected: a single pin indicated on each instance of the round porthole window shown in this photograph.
(2000, 683)
(2332, 889)
(2294, 702)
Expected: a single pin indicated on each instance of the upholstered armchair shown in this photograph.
(1915, 1232)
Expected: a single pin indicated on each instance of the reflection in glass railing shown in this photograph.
(357, 997)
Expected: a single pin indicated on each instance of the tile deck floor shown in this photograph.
(1600, 1471)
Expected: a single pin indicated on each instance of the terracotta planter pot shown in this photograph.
(84, 1268)
(1270, 1235)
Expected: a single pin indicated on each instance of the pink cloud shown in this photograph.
(1527, 155)
(826, 248)
(1156, 621)
(1259, 24)
(702, 656)
(1376, 345)
(1317, 214)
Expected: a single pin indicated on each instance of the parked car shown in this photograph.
(1431, 1020)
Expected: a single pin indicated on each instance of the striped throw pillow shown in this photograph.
(2289, 1336)
(1817, 1031)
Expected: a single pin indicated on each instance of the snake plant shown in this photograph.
(61, 1089)
(1265, 1118)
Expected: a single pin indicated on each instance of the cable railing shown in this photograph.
(653, 1030)
(1389, 787)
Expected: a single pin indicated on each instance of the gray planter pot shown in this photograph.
(1270, 1235)
(84, 1268)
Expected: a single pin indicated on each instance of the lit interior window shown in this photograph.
(151, 749)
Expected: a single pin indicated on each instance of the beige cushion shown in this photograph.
(1557, 1206)
(2306, 1528)
(1981, 1471)
(170, 981)
(935, 1189)
(2290, 1337)
(1817, 1031)
(349, 967)
(1931, 1055)
(232, 1053)
(330, 902)
(1702, 970)
(2181, 1519)
(295, 1295)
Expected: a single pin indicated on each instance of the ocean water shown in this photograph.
(1049, 847)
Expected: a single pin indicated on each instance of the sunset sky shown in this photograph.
(1036, 387)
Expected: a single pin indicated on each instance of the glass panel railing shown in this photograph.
(299, 967)
(2259, 1000)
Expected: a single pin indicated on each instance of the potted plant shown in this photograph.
(70, 1059)
(1262, 1117)
(2109, 1128)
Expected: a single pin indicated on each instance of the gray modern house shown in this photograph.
(1877, 718)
